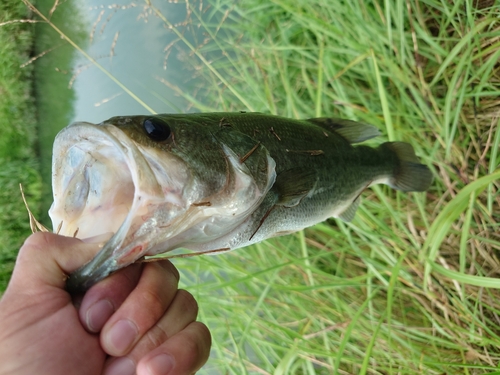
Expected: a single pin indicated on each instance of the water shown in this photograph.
(129, 41)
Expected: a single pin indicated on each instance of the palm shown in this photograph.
(59, 343)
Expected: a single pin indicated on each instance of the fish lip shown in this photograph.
(89, 274)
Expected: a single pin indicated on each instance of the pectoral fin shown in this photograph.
(290, 187)
(352, 131)
(293, 185)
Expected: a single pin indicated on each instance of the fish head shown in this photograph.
(144, 185)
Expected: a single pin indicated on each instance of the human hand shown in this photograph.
(135, 321)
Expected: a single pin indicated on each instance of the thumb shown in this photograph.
(47, 259)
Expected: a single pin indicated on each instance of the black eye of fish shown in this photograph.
(156, 129)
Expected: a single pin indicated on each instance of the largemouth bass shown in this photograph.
(212, 182)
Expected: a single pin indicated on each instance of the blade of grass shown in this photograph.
(440, 227)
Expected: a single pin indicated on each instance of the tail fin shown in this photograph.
(409, 174)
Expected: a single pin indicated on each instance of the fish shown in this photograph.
(144, 185)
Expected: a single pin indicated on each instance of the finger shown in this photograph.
(47, 258)
(182, 311)
(183, 354)
(142, 308)
(104, 298)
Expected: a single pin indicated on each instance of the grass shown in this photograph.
(55, 102)
(411, 285)
(17, 133)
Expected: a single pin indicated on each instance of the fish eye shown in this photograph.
(156, 129)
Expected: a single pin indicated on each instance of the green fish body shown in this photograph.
(214, 181)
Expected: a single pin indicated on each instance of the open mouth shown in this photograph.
(106, 190)
(99, 181)
(86, 174)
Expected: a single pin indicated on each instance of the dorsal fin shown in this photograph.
(352, 131)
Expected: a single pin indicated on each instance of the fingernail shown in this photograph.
(121, 336)
(98, 314)
(121, 366)
(161, 364)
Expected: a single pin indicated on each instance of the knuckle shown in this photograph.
(128, 277)
(35, 245)
(38, 240)
(187, 301)
(156, 336)
(152, 298)
(198, 342)
(203, 332)
(170, 268)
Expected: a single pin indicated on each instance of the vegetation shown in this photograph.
(17, 133)
(410, 286)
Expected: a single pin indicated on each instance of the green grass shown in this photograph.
(411, 285)
(17, 133)
(55, 101)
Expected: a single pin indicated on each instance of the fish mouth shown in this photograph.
(110, 190)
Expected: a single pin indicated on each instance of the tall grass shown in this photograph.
(18, 131)
(411, 285)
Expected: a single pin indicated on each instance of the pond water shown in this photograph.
(129, 41)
